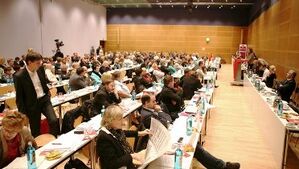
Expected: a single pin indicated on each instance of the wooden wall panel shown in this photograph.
(224, 40)
(275, 36)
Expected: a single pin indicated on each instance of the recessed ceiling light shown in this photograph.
(208, 6)
(196, 6)
(172, 6)
(241, 0)
(160, 6)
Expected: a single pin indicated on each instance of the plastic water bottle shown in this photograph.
(103, 110)
(31, 163)
(280, 108)
(133, 95)
(178, 157)
(203, 105)
(189, 124)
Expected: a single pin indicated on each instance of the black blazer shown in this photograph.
(102, 97)
(190, 85)
(111, 153)
(26, 97)
(168, 95)
(286, 89)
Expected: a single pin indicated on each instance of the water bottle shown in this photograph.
(133, 95)
(59, 79)
(31, 163)
(178, 157)
(280, 108)
(103, 110)
(203, 105)
(189, 124)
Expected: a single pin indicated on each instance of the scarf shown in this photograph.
(121, 137)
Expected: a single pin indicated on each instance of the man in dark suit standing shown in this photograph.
(32, 94)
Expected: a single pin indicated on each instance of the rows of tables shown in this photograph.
(70, 143)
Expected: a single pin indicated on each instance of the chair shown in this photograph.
(44, 139)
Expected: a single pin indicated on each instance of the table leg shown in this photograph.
(285, 151)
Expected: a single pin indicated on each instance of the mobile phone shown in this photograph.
(78, 131)
(180, 140)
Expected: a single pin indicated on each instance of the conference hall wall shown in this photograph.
(36, 23)
(274, 35)
(177, 30)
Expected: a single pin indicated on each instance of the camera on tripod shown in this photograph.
(58, 44)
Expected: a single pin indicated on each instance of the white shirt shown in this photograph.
(50, 75)
(36, 83)
(121, 87)
(266, 74)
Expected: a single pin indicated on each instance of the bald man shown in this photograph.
(286, 88)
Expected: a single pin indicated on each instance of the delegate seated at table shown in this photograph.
(150, 109)
(105, 96)
(170, 97)
(286, 87)
(112, 148)
(14, 137)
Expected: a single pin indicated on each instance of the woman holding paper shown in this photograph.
(112, 148)
(14, 137)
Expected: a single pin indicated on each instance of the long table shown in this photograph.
(70, 142)
(179, 130)
(274, 128)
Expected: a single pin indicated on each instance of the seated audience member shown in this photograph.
(64, 72)
(112, 148)
(266, 72)
(77, 81)
(121, 88)
(57, 65)
(186, 74)
(105, 96)
(75, 66)
(286, 87)
(251, 57)
(190, 85)
(146, 79)
(7, 76)
(14, 137)
(117, 64)
(137, 81)
(269, 80)
(95, 74)
(171, 68)
(16, 68)
(170, 98)
(105, 67)
(150, 109)
(157, 73)
(50, 75)
(201, 70)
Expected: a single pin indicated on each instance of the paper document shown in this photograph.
(158, 143)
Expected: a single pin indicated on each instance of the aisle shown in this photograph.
(232, 134)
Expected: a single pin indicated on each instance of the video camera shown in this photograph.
(58, 43)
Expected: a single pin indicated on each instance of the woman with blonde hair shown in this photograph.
(112, 148)
(14, 137)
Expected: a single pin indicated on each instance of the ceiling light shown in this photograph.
(240, 0)
(172, 6)
(208, 6)
(196, 6)
(220, 7)
(160, 6)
